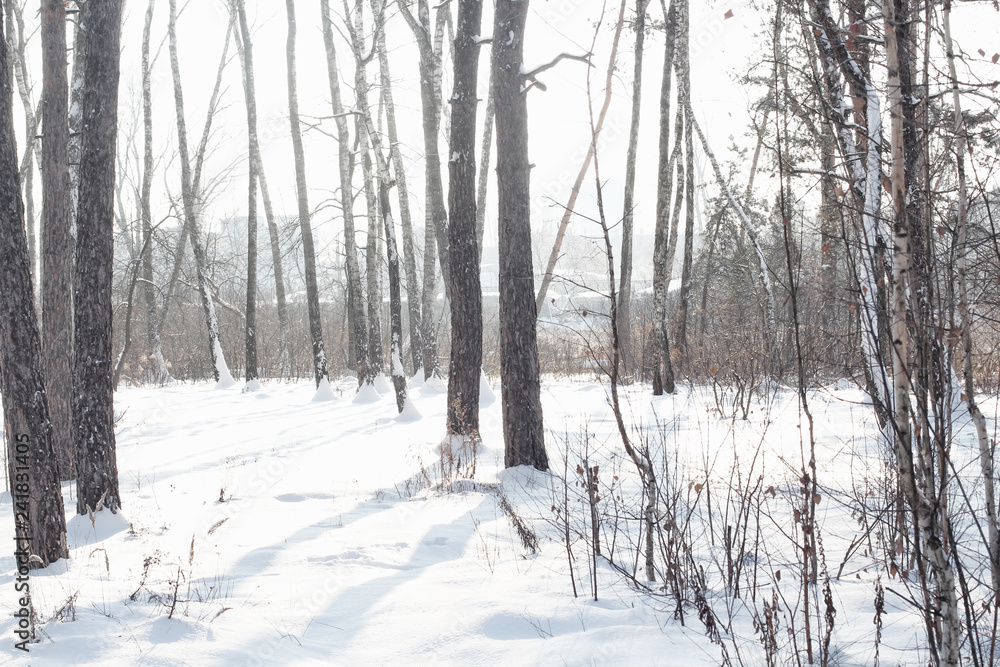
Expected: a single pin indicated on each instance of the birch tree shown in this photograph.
(430, 45)
(191, 207)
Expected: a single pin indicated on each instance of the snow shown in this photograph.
(324, 392)
(486, 395)
(367, 394)
(409, 413)
(297, 532)
(226, 380)
(382, 385)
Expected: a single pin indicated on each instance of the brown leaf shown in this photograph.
(995, 58)
(851, 307)
(698, 488)
(579, 470)
(777, 575)
(817, 498)
(840, 191)
(729, 14)
(713, 369)
(797, 515)
(982, 53)
(893, 570)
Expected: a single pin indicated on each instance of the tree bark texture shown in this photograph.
(93, 405)
(466, 290)
(32, 467)
(524, 435)
(57, 258)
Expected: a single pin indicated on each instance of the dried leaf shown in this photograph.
(579, 470)
(817, 498)
(729, 14)
(995, 58)
(777, 575)
(797, 515)
(893, 570)
(851, 307)
(698, 488)
(982, 53)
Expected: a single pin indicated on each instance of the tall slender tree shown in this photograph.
(250, 96)
(466, 291)
(242, 29)
(345, 164)
(57, 258)
(93, 404)
(190, 197)
(39, 516)
(305, 224)
(524, 435)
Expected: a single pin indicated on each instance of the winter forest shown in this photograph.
(583, 332)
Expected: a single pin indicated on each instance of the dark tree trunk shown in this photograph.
(405, 222)
(466, 292)
(250, 95)
(308, 250)
(93, 407)
(524, 435)
(57, 259)
(345, 162)
(39, 516)
(624, 324)
(663, 374)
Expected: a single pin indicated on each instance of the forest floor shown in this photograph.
(266, 529)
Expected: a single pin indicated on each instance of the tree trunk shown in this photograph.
(624, 301)
(435, 217)
(345, 164)
(250, 95)
(308, 250)
(986, 462)
(684, 93)
(923, 489)
(384, 204)
(57, 259)
(190, 195)
(373, 265)
(663, 373)
(39, 516)
(405, 223)
(17, 50)
(524, 435)
(93, 406)
(484, 168)
(145, 203)
(243, 43)
(466, 291)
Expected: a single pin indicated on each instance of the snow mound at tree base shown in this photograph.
(81, 531)
(324, 392)
(367, 394)
(409, 413)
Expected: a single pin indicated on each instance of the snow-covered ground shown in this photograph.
(267, 528)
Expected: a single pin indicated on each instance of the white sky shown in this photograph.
(559, 131)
